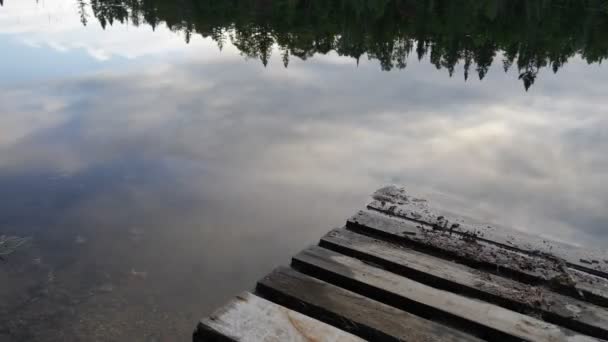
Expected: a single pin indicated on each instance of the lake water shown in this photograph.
(163, 155)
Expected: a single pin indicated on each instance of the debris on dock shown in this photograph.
(401, 270)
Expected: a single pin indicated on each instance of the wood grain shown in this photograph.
(352, 312)
(494, 322)
(524, 298)
(249, 318)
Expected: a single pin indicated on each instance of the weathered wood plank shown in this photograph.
(477, 253)
(555, 308)
(395, 201)
(496, 322)
(352, 312)
(249, 318)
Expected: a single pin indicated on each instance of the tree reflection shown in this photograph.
(530, 35)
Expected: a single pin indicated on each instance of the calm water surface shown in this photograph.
(163, 155)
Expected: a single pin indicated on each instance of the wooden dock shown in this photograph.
(402, 271)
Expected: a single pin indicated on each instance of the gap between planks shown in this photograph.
(395, 201)
(352, 312)
(531, 300)
(493, 322)
(534, 270)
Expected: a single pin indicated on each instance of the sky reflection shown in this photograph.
(153, 173)
(321, 124)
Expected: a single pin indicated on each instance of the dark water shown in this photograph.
(163, 155)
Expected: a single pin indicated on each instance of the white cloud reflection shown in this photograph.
(535, 160)
(57, 25)
(206, 169)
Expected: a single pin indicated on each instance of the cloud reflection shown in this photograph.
(56, 25)
(205, 171)
(533, 160)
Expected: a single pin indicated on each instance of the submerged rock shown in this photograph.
(10, 244)
(139, 274)
(105, 288)
(79, 240)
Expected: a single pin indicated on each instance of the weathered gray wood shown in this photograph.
(395, 201)
(249, 318)
(404, 293)
(349, 311)
(477, 253)
(537, 300)
(402, 270)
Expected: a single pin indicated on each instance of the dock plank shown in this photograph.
(249, 318)
(496, 323)
(352, 312)
(395, 201)
(583, 317)
(401, 270)
(532, 269)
